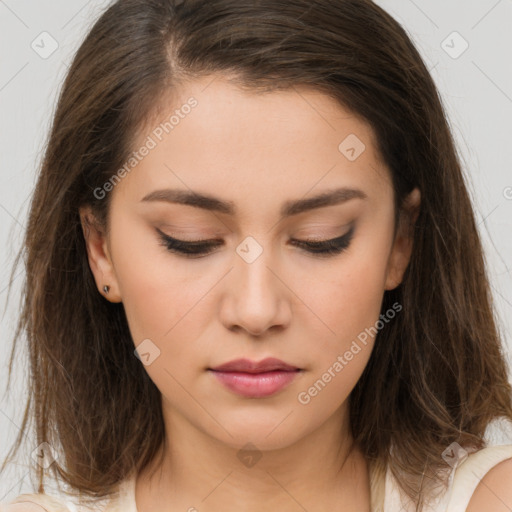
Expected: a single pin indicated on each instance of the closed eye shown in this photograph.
(200, 248)
(327, 247)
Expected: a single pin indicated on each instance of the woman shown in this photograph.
(254, 279)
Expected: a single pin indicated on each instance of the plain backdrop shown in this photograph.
(466, 45)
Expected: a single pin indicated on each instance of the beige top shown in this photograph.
(463, 481)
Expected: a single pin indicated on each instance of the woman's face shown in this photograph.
(264, 162)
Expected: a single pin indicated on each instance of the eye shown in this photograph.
(189, 249)
(326, 248)
(200, 248)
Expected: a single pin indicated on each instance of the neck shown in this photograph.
(195, 471)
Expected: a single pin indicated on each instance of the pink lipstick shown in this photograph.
(255, 379)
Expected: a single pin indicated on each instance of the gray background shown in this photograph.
(476, 87)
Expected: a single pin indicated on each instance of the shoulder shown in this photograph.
(121, 500)
(56, 503)
(481, 477)
(494, 492)
(34, 503)
(21, 507)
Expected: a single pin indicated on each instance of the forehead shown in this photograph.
(211, 136)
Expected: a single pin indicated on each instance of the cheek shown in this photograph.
(348, 300)
(347, 294)
(349, 307)
(157, 290)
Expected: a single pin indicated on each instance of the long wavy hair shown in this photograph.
(437, 373)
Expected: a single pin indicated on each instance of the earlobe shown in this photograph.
(403, 243)
(99, 257)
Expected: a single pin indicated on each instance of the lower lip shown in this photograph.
(256, 385)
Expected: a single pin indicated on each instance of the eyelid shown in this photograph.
(200, 241)
(348, 229)
(312, 241)
(314, 247)
(326, 247)
(319, 240)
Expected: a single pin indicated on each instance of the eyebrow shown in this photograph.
(289, 208)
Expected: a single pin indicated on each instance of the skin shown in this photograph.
(257, 151)
(494, 492)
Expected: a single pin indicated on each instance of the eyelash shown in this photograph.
(199, 248)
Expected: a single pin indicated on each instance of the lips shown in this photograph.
(255, 379)
(246, 366)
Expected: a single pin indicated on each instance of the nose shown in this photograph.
(255, 299)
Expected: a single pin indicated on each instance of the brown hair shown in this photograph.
(437, 373)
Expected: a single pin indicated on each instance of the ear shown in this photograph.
(98, 253)
(402, 245)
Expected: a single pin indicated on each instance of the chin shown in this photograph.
(272, 434)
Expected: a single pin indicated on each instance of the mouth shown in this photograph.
(255, 379)
(269, 364)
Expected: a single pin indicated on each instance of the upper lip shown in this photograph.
(247, 366)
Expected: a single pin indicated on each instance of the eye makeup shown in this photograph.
(201, 248)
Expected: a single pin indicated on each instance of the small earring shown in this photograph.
(106, 288)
